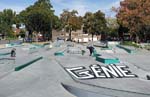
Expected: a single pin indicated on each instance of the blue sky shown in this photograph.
(81, 5)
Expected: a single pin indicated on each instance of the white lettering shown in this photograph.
(97, 71)
(80, 75)
(71, 71)
(109, 72)
(120, 74)
(126, 73)
(86, 75)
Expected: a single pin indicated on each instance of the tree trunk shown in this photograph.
(43, 39)
(92, 36)
(136, 38)
(69, 34)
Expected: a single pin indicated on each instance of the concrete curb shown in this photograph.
(27, 64)
(127, 49)
(4, 54)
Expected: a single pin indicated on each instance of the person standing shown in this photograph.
(90, 47)
(13, 52)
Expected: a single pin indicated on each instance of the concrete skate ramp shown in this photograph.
(117, 87)
(140, 59)
(6, 66)
(79, 91)
(113, 50)
(83, 93)
(121, 87)
(41, 79)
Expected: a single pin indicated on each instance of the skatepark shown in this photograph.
(41, 70)
(75, 48)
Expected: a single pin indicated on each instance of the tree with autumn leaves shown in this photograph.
(92, 23)
(135, 16)
(70, 21)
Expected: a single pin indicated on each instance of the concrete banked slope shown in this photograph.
(116, 87)
(108, 87)
(48, 77)
(40, 79)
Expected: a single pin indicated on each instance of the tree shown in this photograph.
(89, 23)
(39, 17)
(135, 15)
(71, 22)
(7, 18)
(122, 31)
(94, 23)
(100, 22)
(112, 26)
(57, 23)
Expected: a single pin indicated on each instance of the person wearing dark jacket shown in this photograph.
(13, 52)
(91, 49)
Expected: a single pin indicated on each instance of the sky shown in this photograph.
(82, 6)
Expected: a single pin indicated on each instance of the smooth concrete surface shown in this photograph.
(49, 78)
